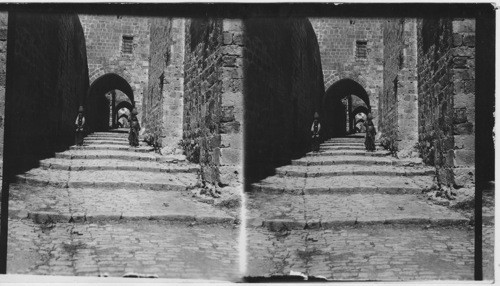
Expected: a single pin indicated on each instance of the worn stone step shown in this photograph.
(325, 153)
(104, 179)
(357, 170)
(140, 149)
(43, 204)
(332, 146)
(355, 159)
(116, 164)
(92, 141)
(108, 154)
(343, 184)
(109, 138)
(278, 211)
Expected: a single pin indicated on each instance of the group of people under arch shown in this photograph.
(133, 123)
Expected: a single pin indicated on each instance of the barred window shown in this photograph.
(127, 43)
(361, 49)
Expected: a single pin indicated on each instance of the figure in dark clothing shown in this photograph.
(315, 129)
(370, 133)
(79, 126)
(133, 136)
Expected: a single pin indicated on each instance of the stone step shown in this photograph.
(328, 153)
(357, 170)
(122, 134)
(278, 211)
(109, 154)
(343, 184)
(43, 204)
(354, 159)
(110, 138)
(103, 179)
(92, 141)
(140, 149)
(115, 164)
(343, 145)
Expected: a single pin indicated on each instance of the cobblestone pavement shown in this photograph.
(118, 210)
(169, 250)
(395, 252)
(344, 215)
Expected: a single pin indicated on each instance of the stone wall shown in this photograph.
(337, 44)
(163, 104)
(3, 74)
(446, 70)
(398, 103)
(213, 110)
(283, 87)
(104, 40)
(463, 77)
(48, 66)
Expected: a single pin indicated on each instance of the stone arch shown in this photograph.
(359, 109)
(334, 119)
(97, 107)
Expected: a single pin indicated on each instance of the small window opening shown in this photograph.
(127, 44)
(361, 50)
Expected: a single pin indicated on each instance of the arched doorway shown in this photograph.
(338, 108)
(102, 106)
(123, 110)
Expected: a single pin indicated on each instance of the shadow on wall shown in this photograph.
(283, 87)
(47, 80)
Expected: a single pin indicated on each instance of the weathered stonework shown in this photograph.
(446, 98)
(463, 77)
(163, 104)
(398, 103)
(283, 87)
(212, 99)
(50, 80)
(3, 74)
(104, 42)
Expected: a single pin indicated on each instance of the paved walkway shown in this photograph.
(345, 213)
(109, 208)
(169, 250)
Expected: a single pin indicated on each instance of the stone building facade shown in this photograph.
(351, 48)
(49, 80)
(117, 45)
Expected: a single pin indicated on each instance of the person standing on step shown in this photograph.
(133, 136)
(315, 129)
(79, 126)
(370, 133)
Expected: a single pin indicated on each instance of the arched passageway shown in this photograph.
(339, 112)
(98, 103)
(122, 110)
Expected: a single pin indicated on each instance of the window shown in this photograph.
(127, 42)
(361, 49)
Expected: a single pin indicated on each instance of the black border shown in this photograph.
(484, 80)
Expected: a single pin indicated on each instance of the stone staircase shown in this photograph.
(110, 179)
(341, 188)
(67, 214)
